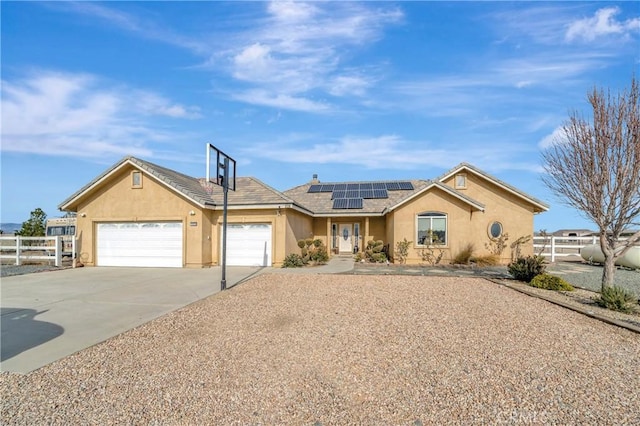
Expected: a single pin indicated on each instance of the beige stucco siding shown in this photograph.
(117, 201)
(459, 219)
(513, 212)
(377, 230)
(298, 226)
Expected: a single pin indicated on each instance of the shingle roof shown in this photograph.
(252, 193)
(321, 204)
(249, 191)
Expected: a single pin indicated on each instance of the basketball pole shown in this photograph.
(225, 187)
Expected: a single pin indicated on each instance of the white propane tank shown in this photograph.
(593, 253)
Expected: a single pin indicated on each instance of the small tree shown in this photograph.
(35, 226)
(595, 168)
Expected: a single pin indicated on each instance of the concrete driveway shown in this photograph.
(49, 315)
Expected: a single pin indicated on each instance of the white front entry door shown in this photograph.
(344, 237)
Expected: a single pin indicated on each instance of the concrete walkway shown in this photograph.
(49, 315)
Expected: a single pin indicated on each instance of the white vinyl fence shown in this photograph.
(19, 250)
(555, 247)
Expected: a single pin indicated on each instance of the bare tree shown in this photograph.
(595, 168)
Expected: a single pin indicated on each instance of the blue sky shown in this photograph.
(347, 90)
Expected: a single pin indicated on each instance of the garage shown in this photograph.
(145, 244)
(249, 244)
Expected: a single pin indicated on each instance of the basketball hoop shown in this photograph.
(226, 178)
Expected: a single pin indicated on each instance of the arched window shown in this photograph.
(431, 228)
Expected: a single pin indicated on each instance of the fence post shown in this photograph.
(58, 251)
(553, 249)
(18, 244)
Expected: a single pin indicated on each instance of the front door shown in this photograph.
(344, 236)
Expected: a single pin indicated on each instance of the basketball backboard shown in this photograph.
(224, 166)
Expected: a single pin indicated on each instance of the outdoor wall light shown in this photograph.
(192, 213)
(83, 215)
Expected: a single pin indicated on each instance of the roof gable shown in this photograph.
(456, 194)
(539, 205)
(249, 190)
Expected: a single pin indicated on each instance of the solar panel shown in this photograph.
(354, 203)
(380, 193)
(340, 203)
(338, 194)
(353, 186)
(379, 185)
(405, 186)
(353, 194)
(315, 188)
(327, 187)
(340, 187)
(392, 186)
(366, 193)
(368, 185)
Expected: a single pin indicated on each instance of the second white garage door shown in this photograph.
(153, 244)
(249, 244)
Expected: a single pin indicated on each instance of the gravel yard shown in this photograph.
(346, 349)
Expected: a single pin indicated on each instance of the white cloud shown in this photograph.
(292, 11)
(603, 23)
(298, 50)
(75, 115)
(558, 136)
(389, 152)
(295, 52)
(282, 101)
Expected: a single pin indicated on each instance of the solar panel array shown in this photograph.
(351, 195)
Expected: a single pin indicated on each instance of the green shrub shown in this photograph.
(293, 260)
(550, 282)
(373, 252)
(312, 251)
(320, 254)
(616, 298)
(526, 268)
(464, 256)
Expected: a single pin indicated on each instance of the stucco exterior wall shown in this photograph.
(298, 226)
(459, 219)
(119, 202)
(514, 213)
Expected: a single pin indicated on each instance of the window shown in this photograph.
(334, 235)
(432, 228)
(136, 179)
(495, 230)
(460, 181)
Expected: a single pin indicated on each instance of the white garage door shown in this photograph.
(249, 244)
(155, 244)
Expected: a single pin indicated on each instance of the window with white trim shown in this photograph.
(431, 228)
(460, 181)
